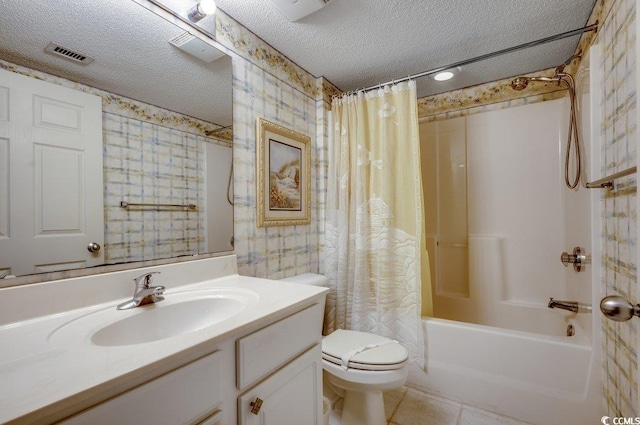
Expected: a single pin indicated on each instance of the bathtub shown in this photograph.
(531, 377)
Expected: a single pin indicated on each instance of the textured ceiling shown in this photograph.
(132, 54)
(358, 43)
(353, 43)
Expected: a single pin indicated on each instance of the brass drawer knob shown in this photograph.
(256, 405)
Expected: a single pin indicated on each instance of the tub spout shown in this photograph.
(564, 305)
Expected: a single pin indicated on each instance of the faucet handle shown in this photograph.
(145, 280)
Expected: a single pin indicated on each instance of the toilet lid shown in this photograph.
(364, 351)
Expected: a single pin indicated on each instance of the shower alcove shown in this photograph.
(498, 216)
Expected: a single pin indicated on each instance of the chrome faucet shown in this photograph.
(144, 293)
(564, 305)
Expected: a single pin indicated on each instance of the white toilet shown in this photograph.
(360, 366)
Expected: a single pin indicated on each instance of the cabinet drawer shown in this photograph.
(182, 396)
(266, 350)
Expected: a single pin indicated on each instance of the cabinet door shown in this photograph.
(291, 396)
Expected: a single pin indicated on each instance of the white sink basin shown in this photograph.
(179, 314)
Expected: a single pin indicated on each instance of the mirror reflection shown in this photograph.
(115, 138)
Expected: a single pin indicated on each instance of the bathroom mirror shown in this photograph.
(166, 131)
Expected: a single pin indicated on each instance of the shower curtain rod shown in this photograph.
(592, 27)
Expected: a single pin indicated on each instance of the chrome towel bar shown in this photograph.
(125, 204)
(607, 182)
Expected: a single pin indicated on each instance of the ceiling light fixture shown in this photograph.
(202, 9)
(446, 75)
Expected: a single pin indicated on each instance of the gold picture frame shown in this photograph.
(284, 178)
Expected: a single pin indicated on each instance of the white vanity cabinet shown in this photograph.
(203, 366)
(278, 362)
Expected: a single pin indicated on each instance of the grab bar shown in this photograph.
(607, 182)
(125, 204)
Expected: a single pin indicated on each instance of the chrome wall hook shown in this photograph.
(578, 259)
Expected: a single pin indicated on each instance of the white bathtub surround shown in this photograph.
(45, 378)
(374, 216)
(498, 216)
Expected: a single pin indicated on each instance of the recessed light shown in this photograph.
(446, 75)
(443, 76)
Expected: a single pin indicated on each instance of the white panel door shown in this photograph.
(50, 176)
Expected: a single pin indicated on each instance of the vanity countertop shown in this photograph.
(40, 378)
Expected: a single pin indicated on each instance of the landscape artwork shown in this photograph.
(283, 174)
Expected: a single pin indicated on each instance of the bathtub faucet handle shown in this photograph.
(578, 259)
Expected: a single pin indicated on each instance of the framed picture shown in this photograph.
(284, 183)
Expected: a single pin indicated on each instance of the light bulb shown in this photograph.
(207, 7)
(202, 9)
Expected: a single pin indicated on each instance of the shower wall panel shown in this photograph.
(444, 162)
(514, 217)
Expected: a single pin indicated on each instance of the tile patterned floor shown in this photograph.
(407, 406)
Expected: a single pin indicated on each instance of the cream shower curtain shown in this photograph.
(374, 225)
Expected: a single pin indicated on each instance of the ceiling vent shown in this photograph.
(72, 55)
(295, 10)
(196, 47)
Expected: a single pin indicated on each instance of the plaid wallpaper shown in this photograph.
(617, 41)
(272, 252)
(149, 163)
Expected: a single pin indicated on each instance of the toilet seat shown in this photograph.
(378, 353)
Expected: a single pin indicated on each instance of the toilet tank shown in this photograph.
(313, 279)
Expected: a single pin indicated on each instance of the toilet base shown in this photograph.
(362, 391)
(363, 408)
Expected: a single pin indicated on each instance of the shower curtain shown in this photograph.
(374, 247)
